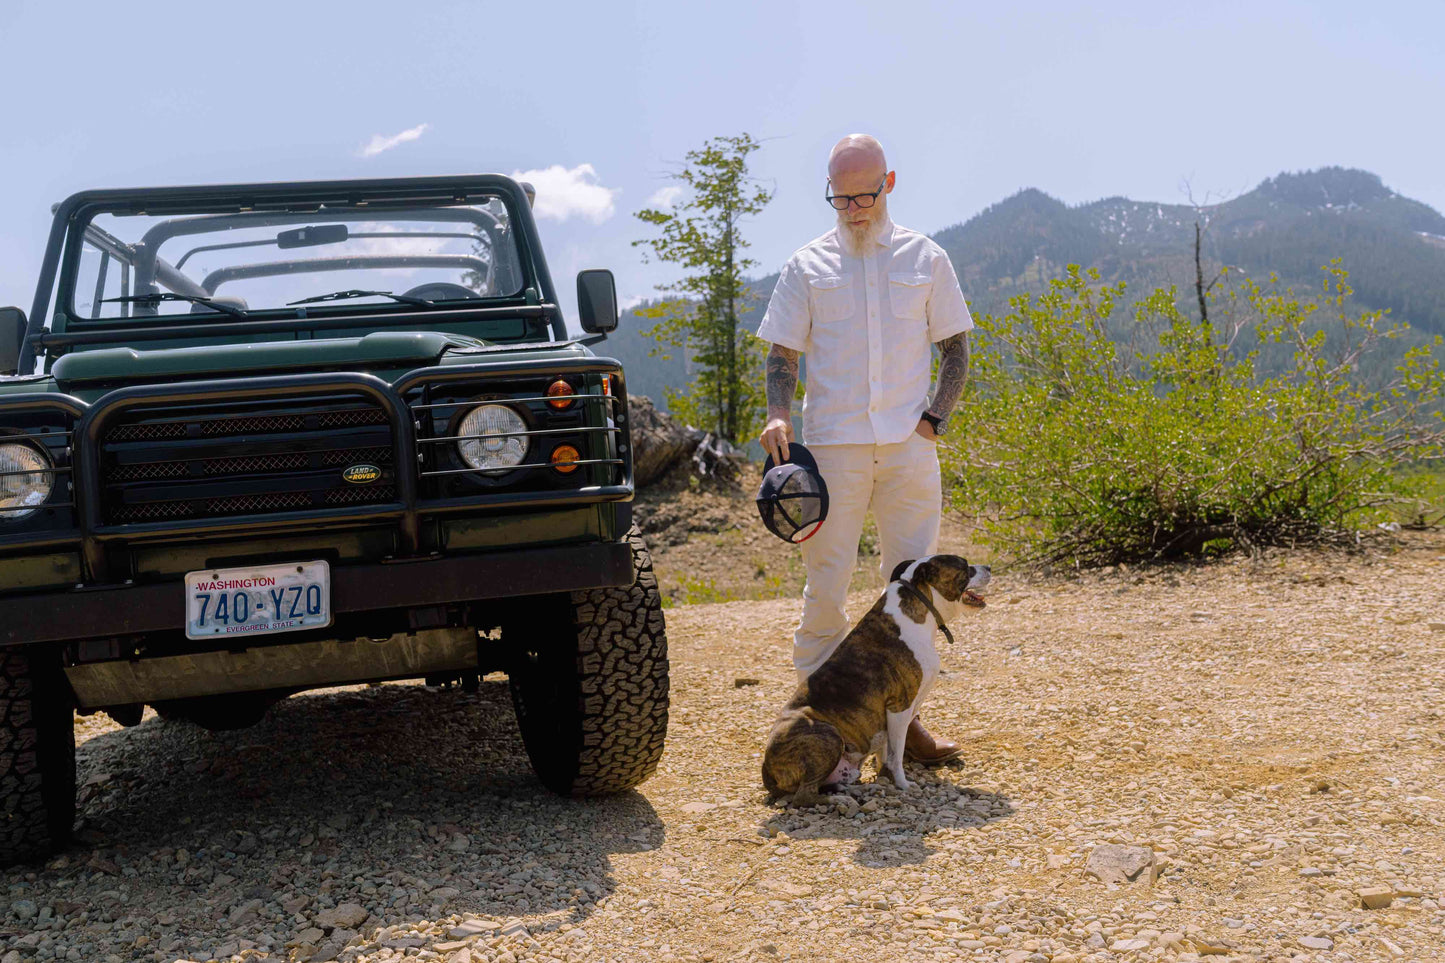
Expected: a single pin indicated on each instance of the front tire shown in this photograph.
(37, 756)
(590, 683)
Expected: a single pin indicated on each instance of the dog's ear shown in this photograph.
(928, 572)
(899, 569)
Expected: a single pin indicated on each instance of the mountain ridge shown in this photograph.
(1289, 225)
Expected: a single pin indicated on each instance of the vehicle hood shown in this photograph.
(380, 349)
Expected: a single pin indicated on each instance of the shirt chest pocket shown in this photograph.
(908, 293)
(831, 297)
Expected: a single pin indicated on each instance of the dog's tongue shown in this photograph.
(972, 598)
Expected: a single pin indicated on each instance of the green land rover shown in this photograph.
(263, 438)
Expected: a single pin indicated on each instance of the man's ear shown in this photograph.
(899, 569)
(892, 178)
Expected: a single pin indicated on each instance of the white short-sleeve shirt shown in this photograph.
(866, 325)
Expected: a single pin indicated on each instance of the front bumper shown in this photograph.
(129, 609)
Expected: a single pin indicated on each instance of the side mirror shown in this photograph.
(597, 301)
(12, 336)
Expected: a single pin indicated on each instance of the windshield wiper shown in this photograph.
(355, 293)
(159, 296)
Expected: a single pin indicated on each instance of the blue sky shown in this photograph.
(973, 101)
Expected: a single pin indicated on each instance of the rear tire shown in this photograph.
(590, 683)
(37, 756)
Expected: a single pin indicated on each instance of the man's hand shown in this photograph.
(782, 383)
(775, 438)
(925, 428)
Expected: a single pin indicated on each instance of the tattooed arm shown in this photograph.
(782, 385)
(952, 373)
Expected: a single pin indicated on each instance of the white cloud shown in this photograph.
(563, 193)
(378, 143)
(404, 246)
(665, 197)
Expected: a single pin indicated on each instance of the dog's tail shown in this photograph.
(800, 754)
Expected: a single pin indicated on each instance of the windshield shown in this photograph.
(267, 260)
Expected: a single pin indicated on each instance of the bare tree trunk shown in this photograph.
(732, 332)
(1199, 277)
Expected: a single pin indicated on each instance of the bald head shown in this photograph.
(857, 157)
(857, 167)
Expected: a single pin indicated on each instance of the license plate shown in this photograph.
(261, 600)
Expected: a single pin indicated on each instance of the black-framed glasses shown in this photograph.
(840, 202)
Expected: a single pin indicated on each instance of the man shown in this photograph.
(864, 302)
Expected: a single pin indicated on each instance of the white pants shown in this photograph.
(901, 483)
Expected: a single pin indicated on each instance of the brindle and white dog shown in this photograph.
(859, 702)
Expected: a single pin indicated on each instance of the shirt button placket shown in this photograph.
(875, 338)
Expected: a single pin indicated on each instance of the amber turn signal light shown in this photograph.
(564, 458)
(559, 395)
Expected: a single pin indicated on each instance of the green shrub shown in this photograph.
(1178, 439)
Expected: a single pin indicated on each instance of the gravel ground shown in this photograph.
(1256, 742)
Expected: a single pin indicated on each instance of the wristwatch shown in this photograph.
(938, 423)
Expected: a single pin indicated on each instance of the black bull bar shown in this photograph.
(406, 510)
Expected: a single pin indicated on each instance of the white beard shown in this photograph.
(859, 241)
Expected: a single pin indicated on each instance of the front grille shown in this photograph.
(163, 464)
(246, 425)
(380, 457)
(165, 469)
(150, 512)
(356, 495)
(352, 418)
(146, 432)
(253, 426)
(257, 504)
(246, 466)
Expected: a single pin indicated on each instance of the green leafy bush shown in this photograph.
(1189, 436)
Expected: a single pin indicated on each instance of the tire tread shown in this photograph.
(622, 689)
(37, 759)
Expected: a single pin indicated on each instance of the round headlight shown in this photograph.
(493, 449)
(25, 482)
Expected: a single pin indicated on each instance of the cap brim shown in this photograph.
(806, 532)
(797, 455)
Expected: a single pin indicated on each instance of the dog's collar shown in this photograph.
(911, 589)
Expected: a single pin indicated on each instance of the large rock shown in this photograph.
(345, 916)
(1113, 863)
(658, 441)
(1376, 897)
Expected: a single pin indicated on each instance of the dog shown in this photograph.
(860, 700)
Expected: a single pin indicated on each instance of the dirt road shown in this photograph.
(1269, 733)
